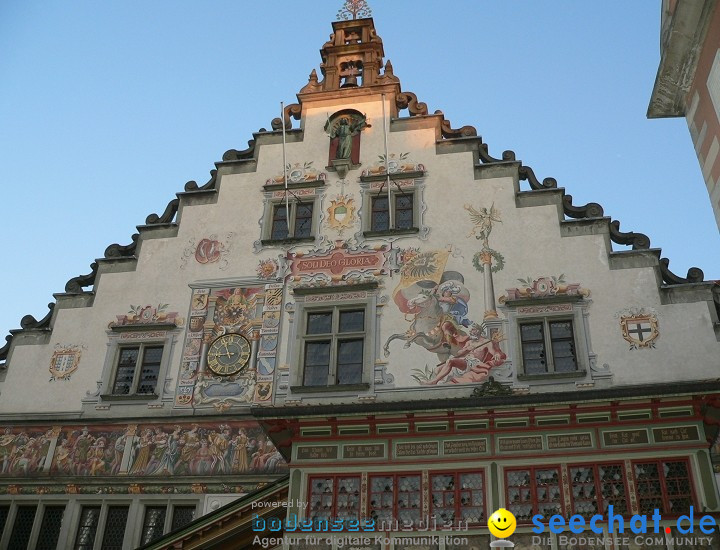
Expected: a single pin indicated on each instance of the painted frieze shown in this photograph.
(147, 315)
(299, 172)
(25, 451)
(89, 451)
(544, 287)
(397, 163)
(145, 450)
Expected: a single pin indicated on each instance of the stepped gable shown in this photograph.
(353, 64)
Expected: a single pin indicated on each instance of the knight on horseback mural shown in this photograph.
(435, 302)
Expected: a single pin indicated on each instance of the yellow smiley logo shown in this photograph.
(502, 523)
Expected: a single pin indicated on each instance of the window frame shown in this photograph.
(664, 496)
(333, 510)
(533, 488)
(575, 308)
(547, 345)
(335, 337)
(40, 507)
(142, 348)
(165, 335)
(598, 486)
(307, 192)
(363, 297)
(395, 493)
(457, 505)
(169, 505)
(408, 183)
(395, 196)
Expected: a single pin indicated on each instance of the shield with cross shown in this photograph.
(640, 330)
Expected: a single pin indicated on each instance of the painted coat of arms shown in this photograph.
(64, 362)
(639, 327)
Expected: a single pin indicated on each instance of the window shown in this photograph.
(548, 346)
(334, 497)
(333, 347)
(87, 528)
(301, 218)
(597, 486)
(395, 497)
(115, 527)
(22, 526)
(136, 364)
(182, 515)
(665, 485)
(457, 497)
(531, 491)
(137, 370)
(153, 524)
(50, 528)
(402, 211)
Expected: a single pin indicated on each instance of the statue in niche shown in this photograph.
(344, 129)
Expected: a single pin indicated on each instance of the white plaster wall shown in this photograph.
(529, 239)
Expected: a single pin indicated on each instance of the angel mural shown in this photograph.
(483, 220)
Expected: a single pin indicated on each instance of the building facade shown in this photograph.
(365, 316)
(688, 81)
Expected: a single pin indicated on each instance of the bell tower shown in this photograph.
(353, 56)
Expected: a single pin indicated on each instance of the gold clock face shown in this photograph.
(228, 354)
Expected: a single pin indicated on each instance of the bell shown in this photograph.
(350, 82)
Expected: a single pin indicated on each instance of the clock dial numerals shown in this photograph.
(228, 354)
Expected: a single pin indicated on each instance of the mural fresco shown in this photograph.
(267, 269)
(436, 303)
(544, 287)
(639, 327)
(147, 315)
(24, 450)
(299, 172)
(252, 312)
(139, 451)
(89, 451)
(397, 163)
(203, 449)
(208, 250)
(65, 361)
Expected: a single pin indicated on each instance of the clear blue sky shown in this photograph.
(108, 108)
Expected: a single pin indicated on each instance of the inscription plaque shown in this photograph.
(625, 437)
(530, 443)
(417, 448)
(569, 441)
(364, 451)
(678, 433)
(464, 446)
(317, 453)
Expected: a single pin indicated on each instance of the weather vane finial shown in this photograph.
(355, 8)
